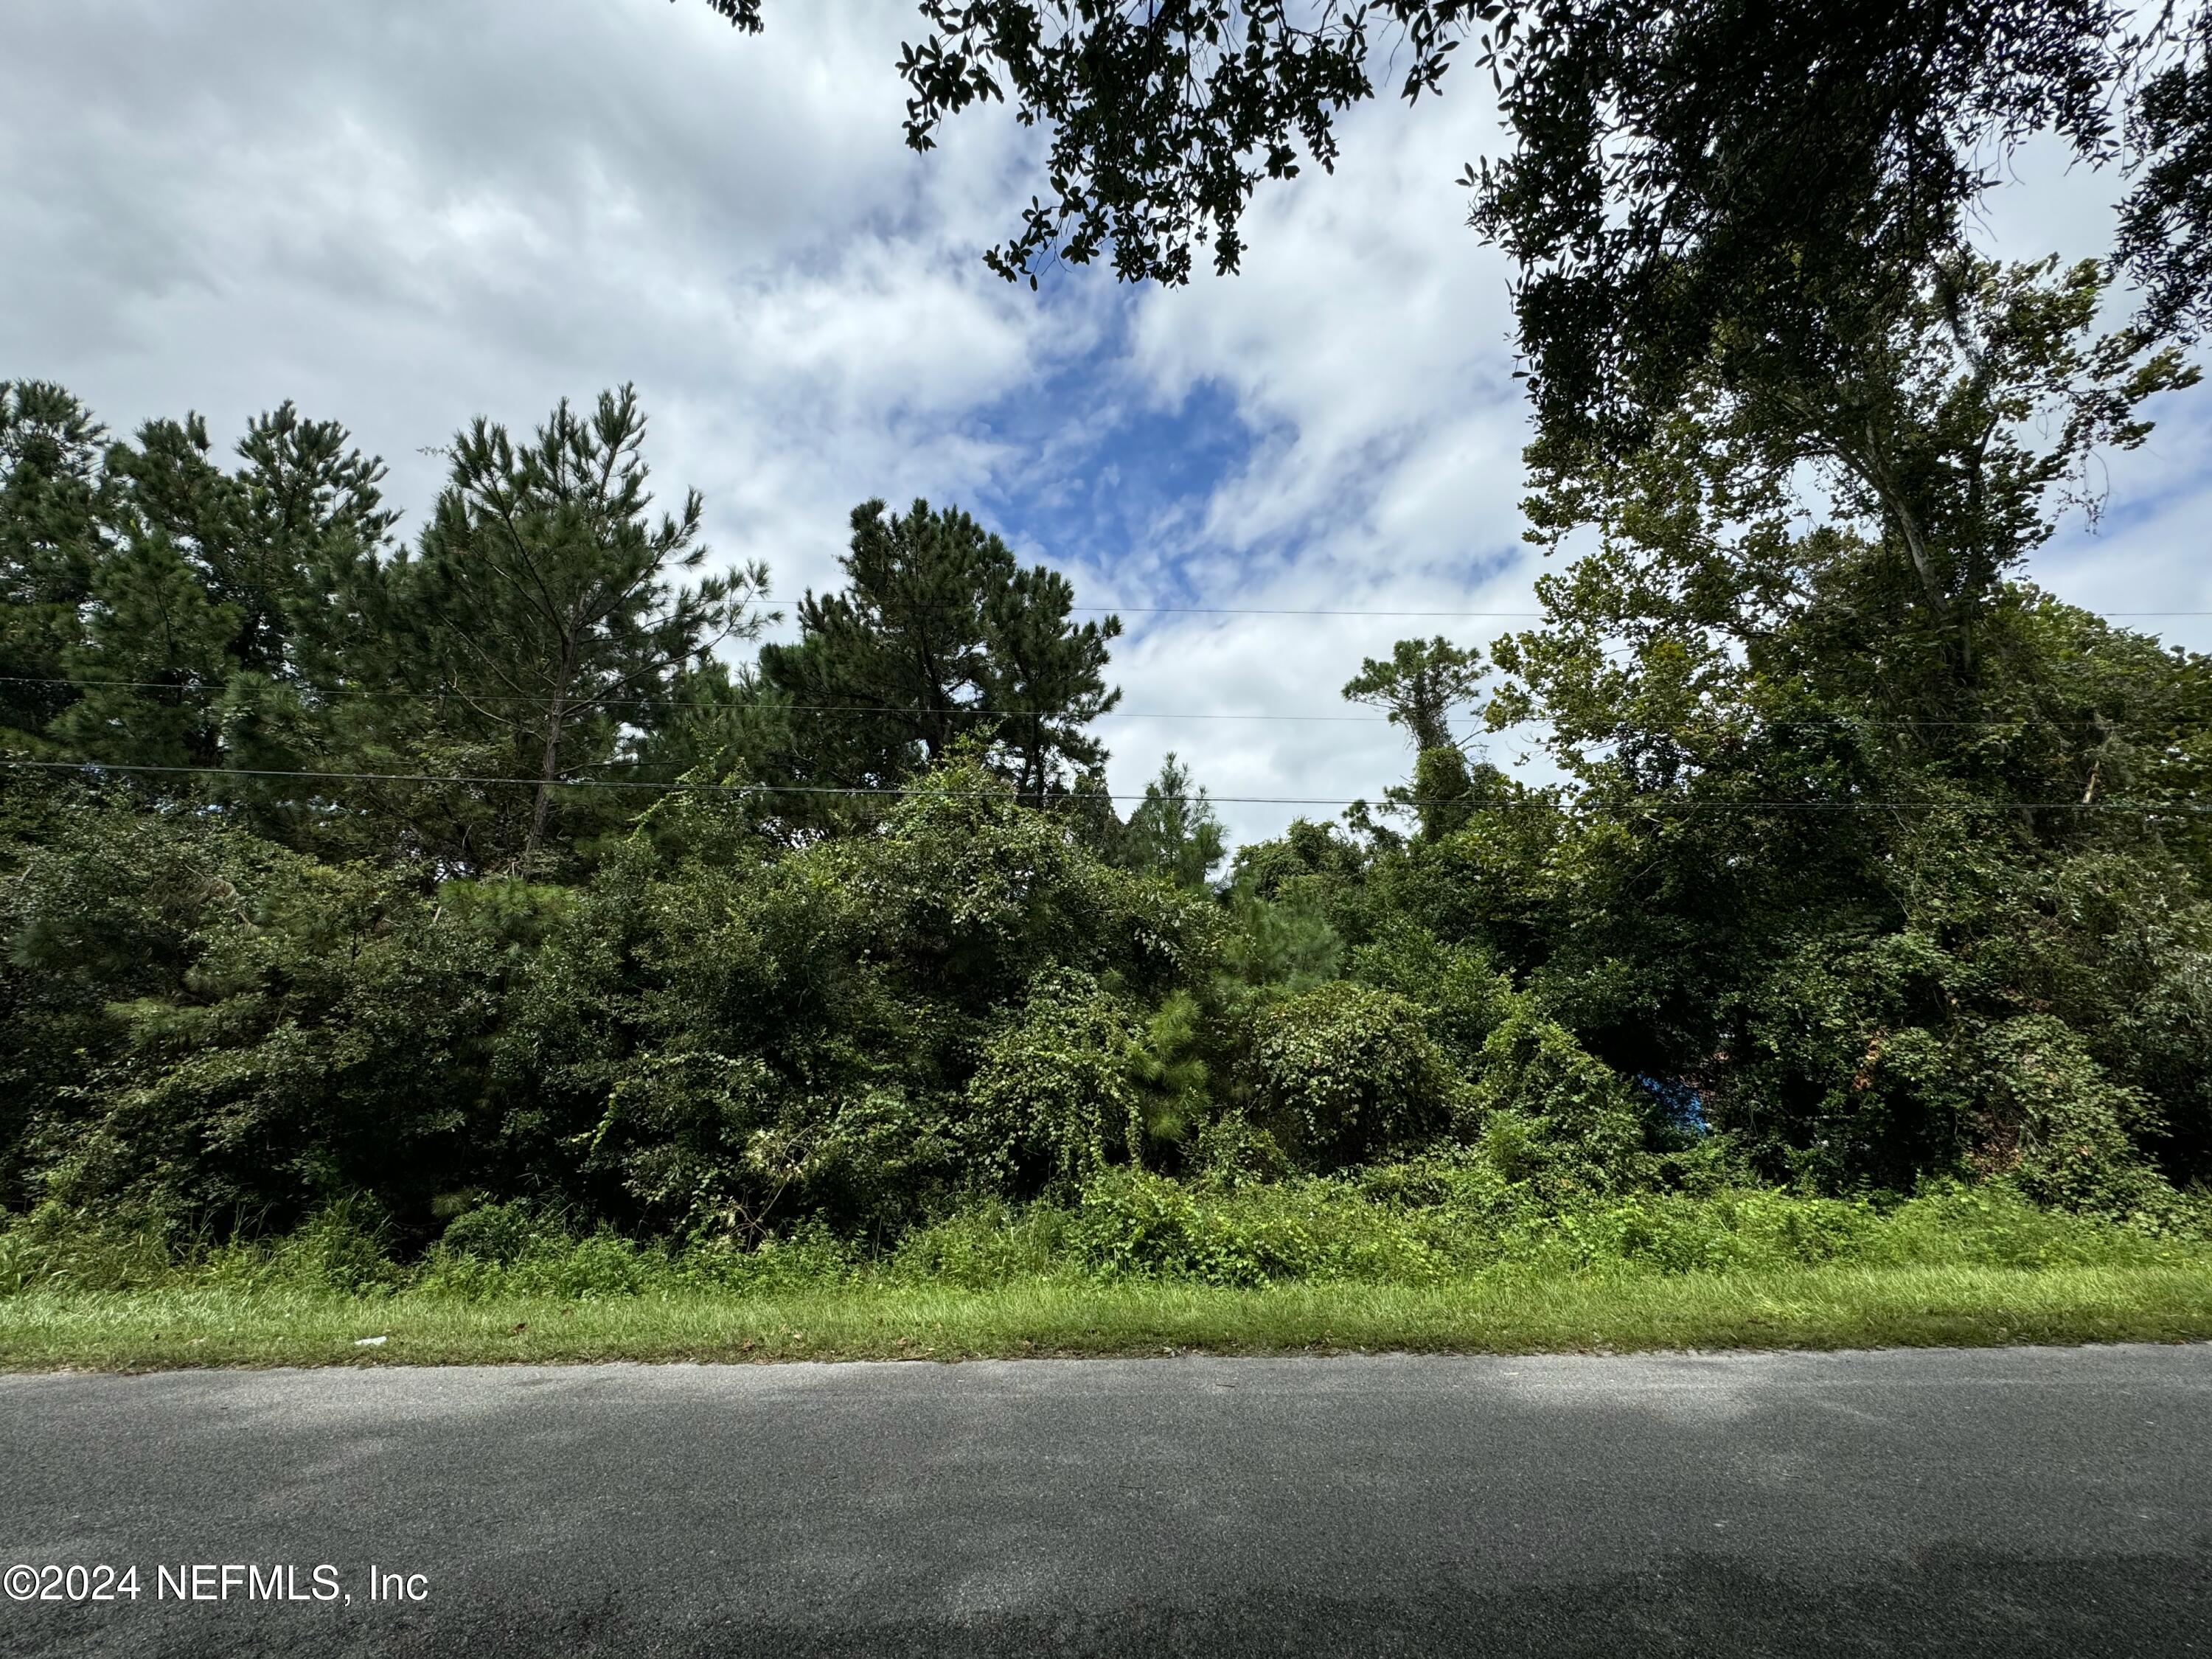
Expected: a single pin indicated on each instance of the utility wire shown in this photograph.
(1284, 611)
(978, 712)
(610, 783)
(1195, 609)
(967, 710)
(906, 791)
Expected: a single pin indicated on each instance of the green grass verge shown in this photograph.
(1831, 1307)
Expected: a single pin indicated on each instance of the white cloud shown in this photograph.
(406, 213)
(1366, 342)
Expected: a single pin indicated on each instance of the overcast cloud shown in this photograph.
(401, 213)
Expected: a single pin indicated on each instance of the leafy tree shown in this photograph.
(1830, 778)
(1871, 862)
(1925, 431)
(1797, 173)
(2165, 241)
(719, 723)
(308, 511)
(1682, 178)
(285, 545)
(1938, 485)
(1676, 170)
(1443, 791)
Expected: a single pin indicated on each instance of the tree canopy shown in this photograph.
(1678, 180)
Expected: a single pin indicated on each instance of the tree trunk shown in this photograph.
(549, 767)
(546, 771)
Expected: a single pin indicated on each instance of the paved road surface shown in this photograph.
(2003, 1502)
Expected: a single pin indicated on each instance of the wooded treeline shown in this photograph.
(1871, 862)
(483, 864)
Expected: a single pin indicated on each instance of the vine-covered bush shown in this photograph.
(1350, 1072)
(1552, 1115)
(1059, 1094)
(2068, 1133)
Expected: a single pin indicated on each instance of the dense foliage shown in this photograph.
(416, 880)
(362, 891)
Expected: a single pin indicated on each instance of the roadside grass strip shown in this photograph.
(1838, 1307)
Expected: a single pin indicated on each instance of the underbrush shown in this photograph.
(1425, 1223)
(1412, 1224)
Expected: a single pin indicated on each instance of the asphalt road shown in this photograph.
(2024, 1501)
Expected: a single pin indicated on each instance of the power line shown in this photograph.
(1228, 611)
(964, 710)
(689, 787)
(609, 783)
(979, 712)
(1282, 610)
(1286, 610)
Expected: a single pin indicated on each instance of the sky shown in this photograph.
(405, 213)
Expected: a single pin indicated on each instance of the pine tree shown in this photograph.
(1173, 830)
(308, 512)
(50, 540)
(304, 528)
(1046, 679)
(888, 674)
(940, 637)
(1421, 685)
(543, 606)
(149, 663)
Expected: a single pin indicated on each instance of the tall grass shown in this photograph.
(1420, 1226)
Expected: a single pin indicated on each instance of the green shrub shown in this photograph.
(1233, 1152)
(869, 1163)
(678, 1126)
(1993, 1225)
(250, 1031)
(1057, 1095)
(602, 1265)
(1460, 993)
(1455, 1180)
(985, 1245)
(1554, 1115)
(811, 1258)
(1349, 1072)
(499, 1234)
(1734, 1232)
(345, 1247)
(2069, 1134)
(1130, 1224)
(1133, 1224)
(503, 1250)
